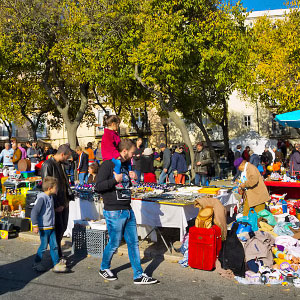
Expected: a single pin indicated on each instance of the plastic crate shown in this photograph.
(89, 241)
(27, 174)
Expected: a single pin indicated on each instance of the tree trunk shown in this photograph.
(72, 133)
(185, 135)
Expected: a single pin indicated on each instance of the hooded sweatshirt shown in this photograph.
(109, 144)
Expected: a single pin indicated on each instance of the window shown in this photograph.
(101, 115)
(247, 121)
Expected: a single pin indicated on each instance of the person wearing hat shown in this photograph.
(167, 167)
(158, 165)
(179, 166)
(147, 167)
(252, 186)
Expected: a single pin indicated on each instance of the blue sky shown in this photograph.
(263, 4)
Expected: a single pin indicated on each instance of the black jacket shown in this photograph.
(147, 164)
(83, 163)
(113, 199)
(54, 169)
(137, 158)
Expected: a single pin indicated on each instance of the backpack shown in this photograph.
(205, 217)
(232, 255)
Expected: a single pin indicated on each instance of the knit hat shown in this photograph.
(238, 162)
(148, 151)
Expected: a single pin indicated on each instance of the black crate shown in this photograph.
(89, 241)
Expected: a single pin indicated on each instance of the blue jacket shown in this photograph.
(42, 214)
(179, 163)
(7, 155)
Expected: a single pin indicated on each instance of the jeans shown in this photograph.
(138, 174)
(201, 178)
(70, 174)
(237, 175)
(163, 176)
(61, 224)
(48, 237)
(83, 177)
(119, 223)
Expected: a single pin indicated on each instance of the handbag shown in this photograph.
(250, 219)
(205, 217)
(243, 230)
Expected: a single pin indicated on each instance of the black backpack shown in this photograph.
(232, 255)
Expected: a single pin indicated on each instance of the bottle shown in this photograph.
(284, 206)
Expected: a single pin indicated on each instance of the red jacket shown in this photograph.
(109, 144)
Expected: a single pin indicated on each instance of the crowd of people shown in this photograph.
(272, 159)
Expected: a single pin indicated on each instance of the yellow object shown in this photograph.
(4, 234)
(267, 228)
(213, 191)
(270, 168)
(24, 191)
(279, 261)
(16, 200)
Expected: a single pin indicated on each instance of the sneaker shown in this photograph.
(61, 268)
(145, 279)
(39, 267)
(108, 275)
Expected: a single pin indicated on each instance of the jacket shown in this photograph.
(202, 156)
(83, 163)
(17, 156)
(30, 154)
(167, 160)
(91, 154)
(147, 164)
(109, 144)
(137, 158)
(295, 162)
(7, 155)
(256, 192)
(42, 214)
(179, 162)
(260, 247)
(64, 194)
(113, 199)
(24, 154)
(157, 167)
(245, 155)
(237, 154)
(254, 160)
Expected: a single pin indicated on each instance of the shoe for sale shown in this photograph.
(39, 267)
(145, 279)
(108, 275)
(61, 268)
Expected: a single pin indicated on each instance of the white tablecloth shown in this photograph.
(163, 215)
(79, 210)
(175, 216)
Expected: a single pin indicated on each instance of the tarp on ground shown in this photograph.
(291, 119)
(252, 139)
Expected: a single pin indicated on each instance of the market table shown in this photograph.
(81, 210)
(292, 189)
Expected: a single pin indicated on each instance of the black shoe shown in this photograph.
(108, 275)
(145, 279)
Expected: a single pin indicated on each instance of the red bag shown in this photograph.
(204, 247)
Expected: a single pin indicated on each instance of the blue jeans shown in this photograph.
(83, 177)
(163, 176)
(138, 174)
(70, 173)
(48, 237)
(119, 223)
(201, 178)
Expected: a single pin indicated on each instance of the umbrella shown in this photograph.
(291, 119)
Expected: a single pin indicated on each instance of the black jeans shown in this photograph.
(61, 223)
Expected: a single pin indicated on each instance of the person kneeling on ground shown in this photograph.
(254, 190)
(43, 218)
(120, 218)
